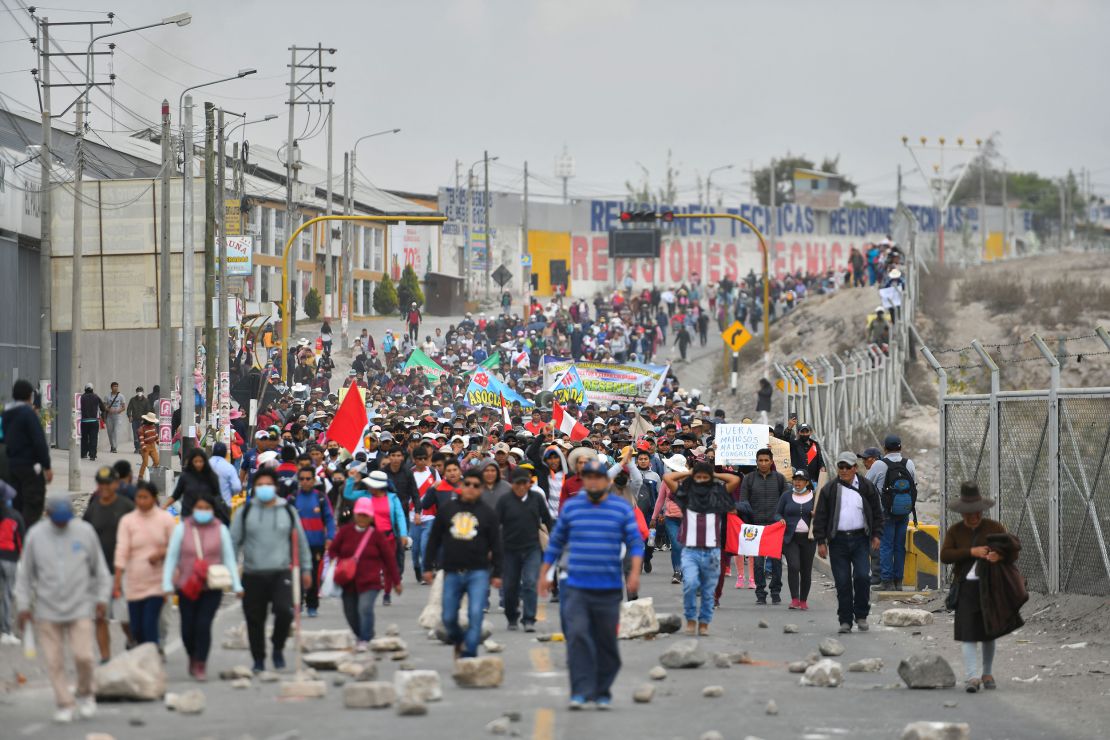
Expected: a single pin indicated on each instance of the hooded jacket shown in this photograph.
(263, 534)
(63, 573)
(537, 451)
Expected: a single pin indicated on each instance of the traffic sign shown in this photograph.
(736, 336)
(525, 260)
(501, 275)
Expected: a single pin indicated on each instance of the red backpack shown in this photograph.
(10, 539)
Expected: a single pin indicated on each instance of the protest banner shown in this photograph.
(738, 443)
(569, 388)
(605, 382)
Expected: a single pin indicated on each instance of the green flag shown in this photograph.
(418, 359)
(493, 362)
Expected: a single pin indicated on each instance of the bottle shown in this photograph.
(29, 650)
(651, 537)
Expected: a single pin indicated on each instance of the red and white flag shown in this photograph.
(754, 540)
(567, 424)
(350, 422)
(505, 412)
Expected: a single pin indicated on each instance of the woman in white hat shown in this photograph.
(148, 442)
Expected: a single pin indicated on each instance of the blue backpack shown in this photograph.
(899, 488)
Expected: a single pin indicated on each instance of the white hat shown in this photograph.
(518, 452)
(378, 479)
(676, 463)
(267, 457)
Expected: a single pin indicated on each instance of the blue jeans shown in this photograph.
(590, 620)
(358, 608)
(892, 548)
(419, 534)
(144, 614)
(475, 584)
(520, 571)
(676, 544)
(850, 560)
(701, 566)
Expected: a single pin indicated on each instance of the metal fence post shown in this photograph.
(1053, 465)
(832, 420)
(992, 421)
(942, 393)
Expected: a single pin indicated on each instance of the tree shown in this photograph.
(312, 304)
(784, 177)
(408, 290)
(385, 297)
(643, 192)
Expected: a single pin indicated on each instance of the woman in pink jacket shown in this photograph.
(141, 541)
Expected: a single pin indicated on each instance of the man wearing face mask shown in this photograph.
(265, 531)
(62, 582)
(137, 406)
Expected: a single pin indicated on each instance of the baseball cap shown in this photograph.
(892, 442)
(106, 474)
(846, 458)
(519, 475)
(364, 506)
(805, 428)
(594, 467)
(872, 452)
(801, 473)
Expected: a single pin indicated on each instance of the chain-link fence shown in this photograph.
(1044, 457)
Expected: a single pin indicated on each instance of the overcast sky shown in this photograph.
(619, 82)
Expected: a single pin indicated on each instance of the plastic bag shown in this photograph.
(329, 589)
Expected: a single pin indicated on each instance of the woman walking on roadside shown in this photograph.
(796, 508)
(142, 538)
(374, 556)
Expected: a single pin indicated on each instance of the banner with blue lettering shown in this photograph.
(605, 382)
(486, 389)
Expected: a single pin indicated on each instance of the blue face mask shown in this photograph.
(202, 516)
(265, 493)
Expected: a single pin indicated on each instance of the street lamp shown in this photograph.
(238, 75)
(470, 216)
(264, 119)
(709, 181)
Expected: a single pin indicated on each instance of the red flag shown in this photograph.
(505, 412)
(567, 424)
(350, 421)
(755, 540)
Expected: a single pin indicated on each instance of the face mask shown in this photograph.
(265, 493)
(595, 496)
(333, 453)
(360, 529)
(202, 516)
(337, 481)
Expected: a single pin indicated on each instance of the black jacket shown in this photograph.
(521, 520)
(763, 495)
(827, 513)
(470, 536)
(24, 437)
(404, 485)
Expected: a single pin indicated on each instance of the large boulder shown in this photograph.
(936, 731)
(359, 670)
(823, 673)
(430, 616)
(669, 623)
(907, 618)
(684, 654)
(866, 665)
(368, 695)
(831, 647)
(136, 675)
(638, 619)
(418, 685)
(485, 672)
(926, 671)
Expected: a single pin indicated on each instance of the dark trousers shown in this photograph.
(799, 553)
(850, 559)
(311, 595)
(761, 577)
(590, 620)
(30, 492)
(414, 332)
(520, 569)
(261, 590)
(144, 614)
(90, 436)
(196, 622)
(135, 424)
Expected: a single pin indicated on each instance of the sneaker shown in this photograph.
(604, 703)
(885, 586)
(703, 629)
(647, 566)
(86, 707)
(803, 605)
(972, 686)
(739, 582)
(845, 628)
(776, 599)
(795, 604)
(9, 639)
(751, 584)
(577, 703)
(676, 578)
(862, 625)
(279, 661)
(386, 601)
(258, 667)
(313, 613)
(200, 672)
(761, 602)
(529, 627)
(362, 646)
(63, 715)
(512, 627)
(988, 682)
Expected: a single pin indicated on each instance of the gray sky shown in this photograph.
(622, 81)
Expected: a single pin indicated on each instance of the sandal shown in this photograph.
(972, 686)
(988, 682)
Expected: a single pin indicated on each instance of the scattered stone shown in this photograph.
(359, 670)
(722, 660)
(643, 694)
(418, 685)
(543, 637)
(338, 681)
(235, 638)
(136, 721)
(239, 671)
(831, 647)
(951, 704)
(441, 631)
(268, 677)
(326, 660)
(713, 692)
(241, 683)
(406, 665)
(684, 654)
(388, 644)
(493, 646)
(368, 695)
(318, 640)
(485, 672)
(135, 675)
(926, 671)
(658, 673)
(867, 665)
(813, 658)
(392, 631)
(187, 702)
(399, 655)
(790, 629)
(301, 687)
(512, 716)
(798, 666)
(638, 619)
(411, 708)
(763, 624)
(714, 735)
(99, 736)
(936, 731)
(823, 673)
(907, 617)
(742, 657)
(772, 708)
(669, 623)
(433, 610)
(499, 726)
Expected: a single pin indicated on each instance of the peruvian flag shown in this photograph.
(350, 422)
(568, 425)
(754, 540)
(505, 412)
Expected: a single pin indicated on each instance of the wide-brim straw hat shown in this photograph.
(970, 500)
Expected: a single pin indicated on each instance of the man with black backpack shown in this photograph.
(896, 479)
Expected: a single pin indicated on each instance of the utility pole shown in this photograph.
(165, 338)
(982, 209)
(469, 227)
(329, 265)
(460, 256)
(223, 378)
(75, 306)
(899, 184)
(526, 272)
(344, 230)
(1005, 215)
(213, 207)
(188, 333)
(1063, 210)
(286, 371)
(489, 254)
(46, 356)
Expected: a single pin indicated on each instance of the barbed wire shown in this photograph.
(1004, 345)
(1001, 363)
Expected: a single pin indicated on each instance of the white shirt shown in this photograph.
(851, 508)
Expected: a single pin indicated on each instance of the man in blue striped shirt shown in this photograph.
(591, 528)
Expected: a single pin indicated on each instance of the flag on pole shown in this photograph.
(505, 413)
(493, 362)
(350, 422)
(568, 425)
(754, 540)
(432, 371)
(568, 387)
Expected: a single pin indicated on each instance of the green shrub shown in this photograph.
(385, 297)
(312, 304)
(408, 290)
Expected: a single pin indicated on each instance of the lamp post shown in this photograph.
(709, 186)
(470, 217)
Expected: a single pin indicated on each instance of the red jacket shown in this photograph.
(377, 557)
